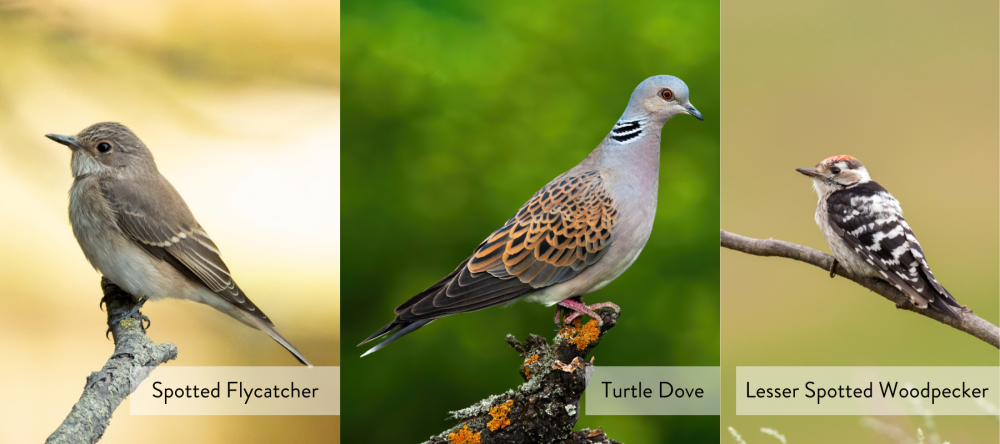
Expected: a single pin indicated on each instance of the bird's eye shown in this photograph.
(667, 94)
(104, 147)
(835, 170)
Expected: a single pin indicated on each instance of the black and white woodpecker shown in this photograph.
(864, 226)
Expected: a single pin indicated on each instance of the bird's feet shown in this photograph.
(833, 269)
(133, 312)
(580, 309)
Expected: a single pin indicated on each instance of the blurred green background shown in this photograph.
(909, 88)
(239, 102)
(454, 114)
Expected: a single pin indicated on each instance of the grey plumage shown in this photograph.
(575, 235)
(135, 228)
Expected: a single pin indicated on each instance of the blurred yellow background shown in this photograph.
(239, 102)
(910, 89)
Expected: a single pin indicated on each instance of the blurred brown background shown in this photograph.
(239, 102)
(910, 89)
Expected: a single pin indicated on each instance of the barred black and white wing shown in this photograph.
(870, 221)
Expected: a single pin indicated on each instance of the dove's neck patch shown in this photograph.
(627, 130)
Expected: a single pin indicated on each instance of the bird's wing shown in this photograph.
(168, 230)
(870, 221)
(563, 229)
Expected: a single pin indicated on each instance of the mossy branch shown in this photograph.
(967, 322)
(546, 407)
(134, 358)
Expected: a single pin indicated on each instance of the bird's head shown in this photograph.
(106, 147)
(836, 173)
(661, 97)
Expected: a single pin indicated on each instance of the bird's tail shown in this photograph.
(943, 300)
(944, 303)
(399, 328)
(268, 328)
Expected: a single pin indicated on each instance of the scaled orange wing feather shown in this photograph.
(563, 229)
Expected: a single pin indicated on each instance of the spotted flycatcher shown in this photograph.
(137, 231)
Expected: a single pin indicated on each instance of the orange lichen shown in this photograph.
(464, 436)
(499, 414)
(581, 336)
(527, 362)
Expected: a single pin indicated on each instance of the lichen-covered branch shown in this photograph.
(134, 358)
(545, 408)
(968, 322)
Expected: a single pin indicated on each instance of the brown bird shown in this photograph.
(575, 235)
(135, 228)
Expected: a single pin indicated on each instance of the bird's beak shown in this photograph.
(693, 111)
(69, 141)
(811, 172)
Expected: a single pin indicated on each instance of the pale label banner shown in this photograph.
(653, 391)
(238, 391)
(867, 390)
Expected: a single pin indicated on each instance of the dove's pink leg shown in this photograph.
(579, 308)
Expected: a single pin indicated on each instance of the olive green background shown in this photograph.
(910, 89)
(454, 114)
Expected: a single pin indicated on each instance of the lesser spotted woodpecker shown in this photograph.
(864, 226)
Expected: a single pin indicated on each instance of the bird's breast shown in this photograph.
(106, 248)
(635, 199)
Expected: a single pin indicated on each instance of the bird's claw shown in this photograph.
(833, 269)
(132, 313)
(580, 309)
(104, 300)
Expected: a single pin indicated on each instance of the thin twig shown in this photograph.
(967, 322)
(134, 358)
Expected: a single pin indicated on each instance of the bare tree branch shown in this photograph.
(134, 358)
(969, 322)
(545, 408)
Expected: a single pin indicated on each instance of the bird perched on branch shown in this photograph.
(137, 231)
(864, 226)
(574, 236)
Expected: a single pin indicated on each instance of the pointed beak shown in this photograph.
(693, 111)
(69, 141)
(811, 172)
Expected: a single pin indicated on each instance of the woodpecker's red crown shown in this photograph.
(850, 162)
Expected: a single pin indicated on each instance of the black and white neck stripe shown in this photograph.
(627, 130)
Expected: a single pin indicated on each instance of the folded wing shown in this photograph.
(563, 229)
(871, 223)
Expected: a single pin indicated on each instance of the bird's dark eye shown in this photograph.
(835, 170)
(667, 94)
(104, 147)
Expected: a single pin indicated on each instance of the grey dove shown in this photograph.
(135, 228)
(574, 236)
